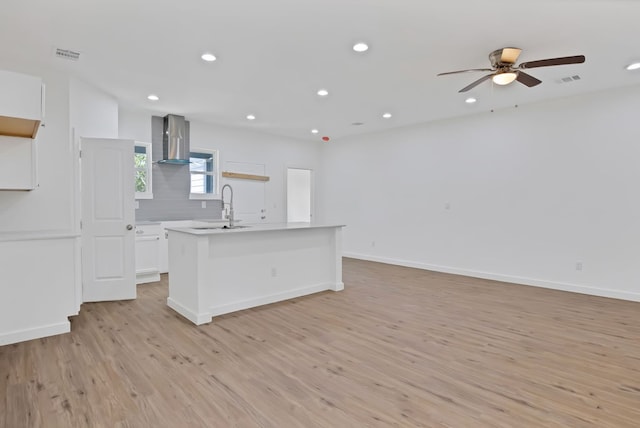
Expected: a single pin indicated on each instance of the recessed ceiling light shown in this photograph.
(634, 66)
(323, 92)
(250, 117)
(153, 97)
(314, 131)
(360, 47)
(208, 57)
(387, 115)
(470, 100)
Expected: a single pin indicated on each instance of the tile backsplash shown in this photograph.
(171, 185)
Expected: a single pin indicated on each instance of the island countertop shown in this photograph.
(214, 271)
(220, 229)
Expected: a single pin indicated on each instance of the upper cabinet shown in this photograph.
(21, 104)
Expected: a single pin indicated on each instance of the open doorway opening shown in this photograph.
(299, 195)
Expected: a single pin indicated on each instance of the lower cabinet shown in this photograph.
(148, 253)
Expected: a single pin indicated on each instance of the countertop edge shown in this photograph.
(253, 228)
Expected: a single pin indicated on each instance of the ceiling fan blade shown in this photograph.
(527, 79)
(464, 71)
(510, 55)
(476, 83)
(578, 59)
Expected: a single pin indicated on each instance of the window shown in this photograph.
(142, 161)
(203, 167)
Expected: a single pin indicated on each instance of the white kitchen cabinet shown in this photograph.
(21, 104)
(148, 252)
(21, 111)
(18, 163)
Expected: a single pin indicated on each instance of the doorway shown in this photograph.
(107, 236)
(299, 195)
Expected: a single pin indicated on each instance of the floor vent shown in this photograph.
(67, 54)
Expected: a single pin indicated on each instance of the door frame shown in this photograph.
(312, 193)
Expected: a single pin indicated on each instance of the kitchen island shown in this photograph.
(214, 271)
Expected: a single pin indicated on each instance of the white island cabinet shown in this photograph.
(214, 271)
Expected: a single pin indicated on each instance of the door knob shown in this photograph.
(129, 227)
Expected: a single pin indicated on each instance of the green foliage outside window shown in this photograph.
(140, 160)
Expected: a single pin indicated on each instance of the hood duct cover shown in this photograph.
(175, 141)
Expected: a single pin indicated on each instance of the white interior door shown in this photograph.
(248, 195)
(108, 216)
(299, 195)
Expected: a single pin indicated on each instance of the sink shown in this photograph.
(218, 226)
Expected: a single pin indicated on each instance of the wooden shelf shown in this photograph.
(245, 176)
(15, 127)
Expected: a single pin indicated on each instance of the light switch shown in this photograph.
(204, 204)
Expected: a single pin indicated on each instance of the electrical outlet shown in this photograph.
(274, 272)
(579, 266)
(204, 204)
(447, 206)
(373, 244)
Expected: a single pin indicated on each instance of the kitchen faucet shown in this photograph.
(230, 215)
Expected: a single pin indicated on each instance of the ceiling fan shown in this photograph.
(504, 71)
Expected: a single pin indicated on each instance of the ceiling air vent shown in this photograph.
(67, 54)
(569, 79)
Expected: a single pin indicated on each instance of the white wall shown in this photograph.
(38, 248)
(276, 153)
(39, 229)
(24, 211)
(93, 113)
(519, 195)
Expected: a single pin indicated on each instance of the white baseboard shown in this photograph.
(272, 298)
(145, 276)
(194, 317)
(563, 286)
(35, 333)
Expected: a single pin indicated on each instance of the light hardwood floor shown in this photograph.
(398, 347)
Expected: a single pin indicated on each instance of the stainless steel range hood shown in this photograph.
(175, 141)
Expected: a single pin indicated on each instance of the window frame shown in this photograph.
(215, 174)
(148, 194)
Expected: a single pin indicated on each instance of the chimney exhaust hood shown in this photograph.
(175, 141)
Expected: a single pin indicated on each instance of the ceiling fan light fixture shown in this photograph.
(504, 78)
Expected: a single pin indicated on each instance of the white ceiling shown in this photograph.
(273, 55)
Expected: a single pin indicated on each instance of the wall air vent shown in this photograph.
(67, 54)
